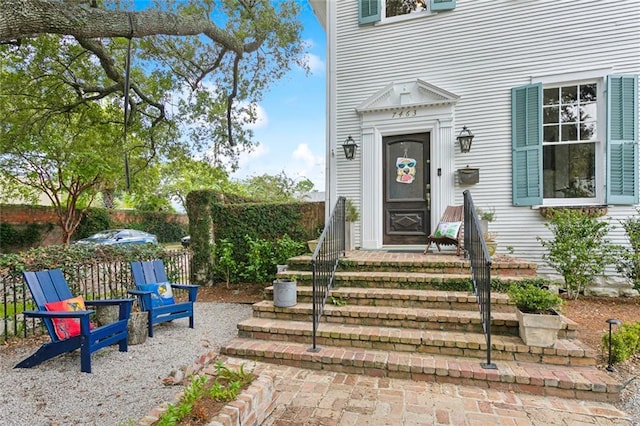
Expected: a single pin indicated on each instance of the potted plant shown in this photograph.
(537, 312)
(485, 216)
(490, 241)
(351, 215)
(285, 291)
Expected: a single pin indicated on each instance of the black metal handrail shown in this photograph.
(324, 263)
(91, 279)
(476, 250)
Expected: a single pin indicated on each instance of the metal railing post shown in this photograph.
(480, 261)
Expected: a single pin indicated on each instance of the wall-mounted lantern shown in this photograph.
(465, 138)
(349, 146)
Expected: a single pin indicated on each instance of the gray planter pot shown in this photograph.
(539, 329)
(285, 293)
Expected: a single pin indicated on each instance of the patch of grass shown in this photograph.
(206, 395)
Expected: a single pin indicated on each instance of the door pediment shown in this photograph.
(412, 94)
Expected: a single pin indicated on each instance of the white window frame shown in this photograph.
(572, 79)
(406, 17)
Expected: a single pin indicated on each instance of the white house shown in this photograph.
(549, 88)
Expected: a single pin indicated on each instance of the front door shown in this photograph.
(406, 189)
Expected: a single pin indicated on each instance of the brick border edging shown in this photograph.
(250, 408)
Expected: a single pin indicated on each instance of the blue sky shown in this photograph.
(290, 131)
(291, 128)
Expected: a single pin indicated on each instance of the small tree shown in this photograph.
(579, 250)
(628, 263)
(226, 263)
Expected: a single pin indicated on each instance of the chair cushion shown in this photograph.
(448, 230)
(67, 327)
(161, 293)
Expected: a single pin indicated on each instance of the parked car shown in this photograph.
(120, 237)
(185, 241)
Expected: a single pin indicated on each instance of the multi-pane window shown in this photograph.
(403, 7)
(575, 144)
(373, 11)
(570, 136)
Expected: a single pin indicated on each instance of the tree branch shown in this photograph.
(26, 18)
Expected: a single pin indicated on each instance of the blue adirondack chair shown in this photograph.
(152, 272)
(50, 286)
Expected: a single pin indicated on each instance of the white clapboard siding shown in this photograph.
(479, 51)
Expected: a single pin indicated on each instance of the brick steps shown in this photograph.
(402, 317)
(361, 261)
(566, 352)
(389, 316)
(411, 316)
(578, 382)
(407, 298)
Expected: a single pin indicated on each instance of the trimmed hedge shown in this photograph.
(212, 219)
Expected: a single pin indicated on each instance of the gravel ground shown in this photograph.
(123, 387)
(628, 373)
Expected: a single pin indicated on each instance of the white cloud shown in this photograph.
(316, 64)
(308, 165)
(247, 158)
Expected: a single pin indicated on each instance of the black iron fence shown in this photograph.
(91, 279)
(324, 262)
(476, 249)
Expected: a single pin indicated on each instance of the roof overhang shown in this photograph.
(320, 10)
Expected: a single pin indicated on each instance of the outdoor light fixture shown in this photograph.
(611, 322)
(349, 146)
(464, 138)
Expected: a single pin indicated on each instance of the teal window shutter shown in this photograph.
(438, 5)
(526, 144)
(369, 11)
(622, 139)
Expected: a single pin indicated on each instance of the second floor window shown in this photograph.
(373, 11)
(403, 7)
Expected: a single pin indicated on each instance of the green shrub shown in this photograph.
(225, 263)
(579, 250)
(225, 386)
(259, 267)
(286, 248)
(628, 262)
(67, 257)
(532, 299)
(94, 220)
(14, 238)
(212, 217)
(625, 342)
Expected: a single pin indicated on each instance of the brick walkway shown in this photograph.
(308, 397)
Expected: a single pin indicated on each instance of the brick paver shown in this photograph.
(333, 398)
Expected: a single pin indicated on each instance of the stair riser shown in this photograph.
(304, 297)
(417, 345)
(508, 328)
(443, 324)
(433, 268)
(479, 377)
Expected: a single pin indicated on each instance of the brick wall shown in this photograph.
(18, 214)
